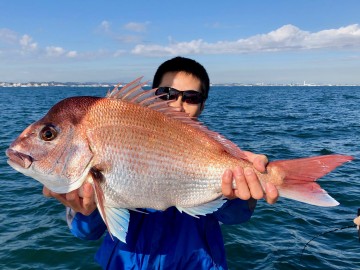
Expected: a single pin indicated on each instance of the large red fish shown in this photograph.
(140, 153)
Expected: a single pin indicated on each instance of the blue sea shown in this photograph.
(281, 122)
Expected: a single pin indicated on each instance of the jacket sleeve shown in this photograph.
(89, 227)
(235, 211)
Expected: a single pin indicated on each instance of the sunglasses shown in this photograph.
(188, 96)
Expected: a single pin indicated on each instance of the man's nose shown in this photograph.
(178, 103)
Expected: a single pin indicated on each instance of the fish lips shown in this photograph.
(19, 159)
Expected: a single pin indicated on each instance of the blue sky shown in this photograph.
(253, 41)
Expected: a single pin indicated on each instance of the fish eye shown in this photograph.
(48, 133)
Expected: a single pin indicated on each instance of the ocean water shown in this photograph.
(281, 122)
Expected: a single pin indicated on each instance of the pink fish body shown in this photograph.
(139, 153)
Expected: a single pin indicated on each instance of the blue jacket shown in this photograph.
(164, 239)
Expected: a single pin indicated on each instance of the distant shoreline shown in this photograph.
(111, 85)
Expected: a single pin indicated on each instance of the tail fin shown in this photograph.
(299, 176)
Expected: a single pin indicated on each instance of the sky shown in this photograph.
(237, 41)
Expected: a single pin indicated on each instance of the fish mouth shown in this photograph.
(18, 158)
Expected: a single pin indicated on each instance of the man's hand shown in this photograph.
(247, 183)
(357, 221)
(80, 200)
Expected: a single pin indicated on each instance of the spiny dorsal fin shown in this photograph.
(133, 92)
(123, 92)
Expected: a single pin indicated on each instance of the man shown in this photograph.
(170, 239)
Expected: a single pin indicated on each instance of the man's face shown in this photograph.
(183, 82)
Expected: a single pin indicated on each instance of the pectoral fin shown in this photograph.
(116, 219)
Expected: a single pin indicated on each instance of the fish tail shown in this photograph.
(298, 178)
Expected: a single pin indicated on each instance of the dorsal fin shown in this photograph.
(133, 92)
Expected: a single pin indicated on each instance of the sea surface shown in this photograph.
(281, 122)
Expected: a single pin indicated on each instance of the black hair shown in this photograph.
(186, 65)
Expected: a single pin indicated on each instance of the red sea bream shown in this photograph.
(140, 153)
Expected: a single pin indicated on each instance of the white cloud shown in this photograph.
(24, 45)
(13, 43)
(54, 51)
(287, 37)
(72, 54)
(180, 48)
(104, 26)
(120, 36)
(27, 44)
(8, 36)
(136, 27)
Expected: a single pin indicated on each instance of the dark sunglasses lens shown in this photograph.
(161, 90)
(189, 96)
(164, 93)
(193, 97)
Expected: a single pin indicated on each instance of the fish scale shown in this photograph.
(158, 148)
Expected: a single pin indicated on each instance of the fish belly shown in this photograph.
(160, 182)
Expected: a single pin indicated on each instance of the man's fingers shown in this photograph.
(88, 190)
(85, 205)
(242, 190)
(46, 192)
(260, 163)
(73, 200)
(60, 197)
(88, 201)
(253, 183)
(357, 221)
(271, 193)
(226, 185)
